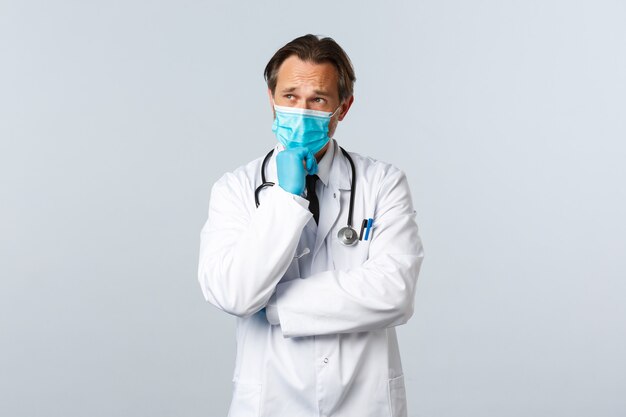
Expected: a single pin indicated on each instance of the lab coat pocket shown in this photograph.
(397, 397)
(347, 257)
(246, 400)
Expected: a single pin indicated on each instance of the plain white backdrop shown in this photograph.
(508, 117)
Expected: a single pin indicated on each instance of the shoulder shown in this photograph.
(374, 170)
(382, 183)
(237, 186)
(242, 176)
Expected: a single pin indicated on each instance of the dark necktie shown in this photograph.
(314, 204)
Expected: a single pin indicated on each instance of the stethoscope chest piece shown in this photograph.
(348, 236)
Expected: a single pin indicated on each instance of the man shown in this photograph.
(316, 300)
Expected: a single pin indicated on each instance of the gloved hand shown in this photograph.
(293, 165)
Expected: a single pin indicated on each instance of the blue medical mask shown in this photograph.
(295, 127)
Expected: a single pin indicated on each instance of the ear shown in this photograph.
(270, 96)
(345, 106)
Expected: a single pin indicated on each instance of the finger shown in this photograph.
(301, 152)
(311, 163)
(310, 159)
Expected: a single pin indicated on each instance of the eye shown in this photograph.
(288, 96)
(319, 100)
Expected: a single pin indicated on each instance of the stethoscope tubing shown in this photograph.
(264, 182)
(352, 185)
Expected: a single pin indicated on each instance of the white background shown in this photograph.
(508, 117)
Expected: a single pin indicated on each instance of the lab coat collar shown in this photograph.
(338, 183)
(340, 170)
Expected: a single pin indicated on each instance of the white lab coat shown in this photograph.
(335, 352)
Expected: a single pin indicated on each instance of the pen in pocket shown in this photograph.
(366, 225)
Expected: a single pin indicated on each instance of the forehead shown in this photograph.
(295, 73)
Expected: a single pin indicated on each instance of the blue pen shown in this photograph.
(369, 226)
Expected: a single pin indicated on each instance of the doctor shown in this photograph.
(321, 271)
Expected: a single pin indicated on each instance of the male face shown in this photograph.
(311, 86)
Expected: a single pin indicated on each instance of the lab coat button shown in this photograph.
(325, 360)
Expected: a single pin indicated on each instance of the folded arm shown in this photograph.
(244, 254)
(377, 294)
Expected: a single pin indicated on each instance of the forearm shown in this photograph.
(377, 295)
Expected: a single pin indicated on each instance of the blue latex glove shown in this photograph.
(293, 165)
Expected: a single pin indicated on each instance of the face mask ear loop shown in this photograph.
(333, 113)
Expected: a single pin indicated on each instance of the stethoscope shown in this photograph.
(346, 235)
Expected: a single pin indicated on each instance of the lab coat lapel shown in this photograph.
(338, 182)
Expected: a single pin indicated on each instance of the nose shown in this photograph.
(302, 104)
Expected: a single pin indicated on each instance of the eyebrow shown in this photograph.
(318, 92)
